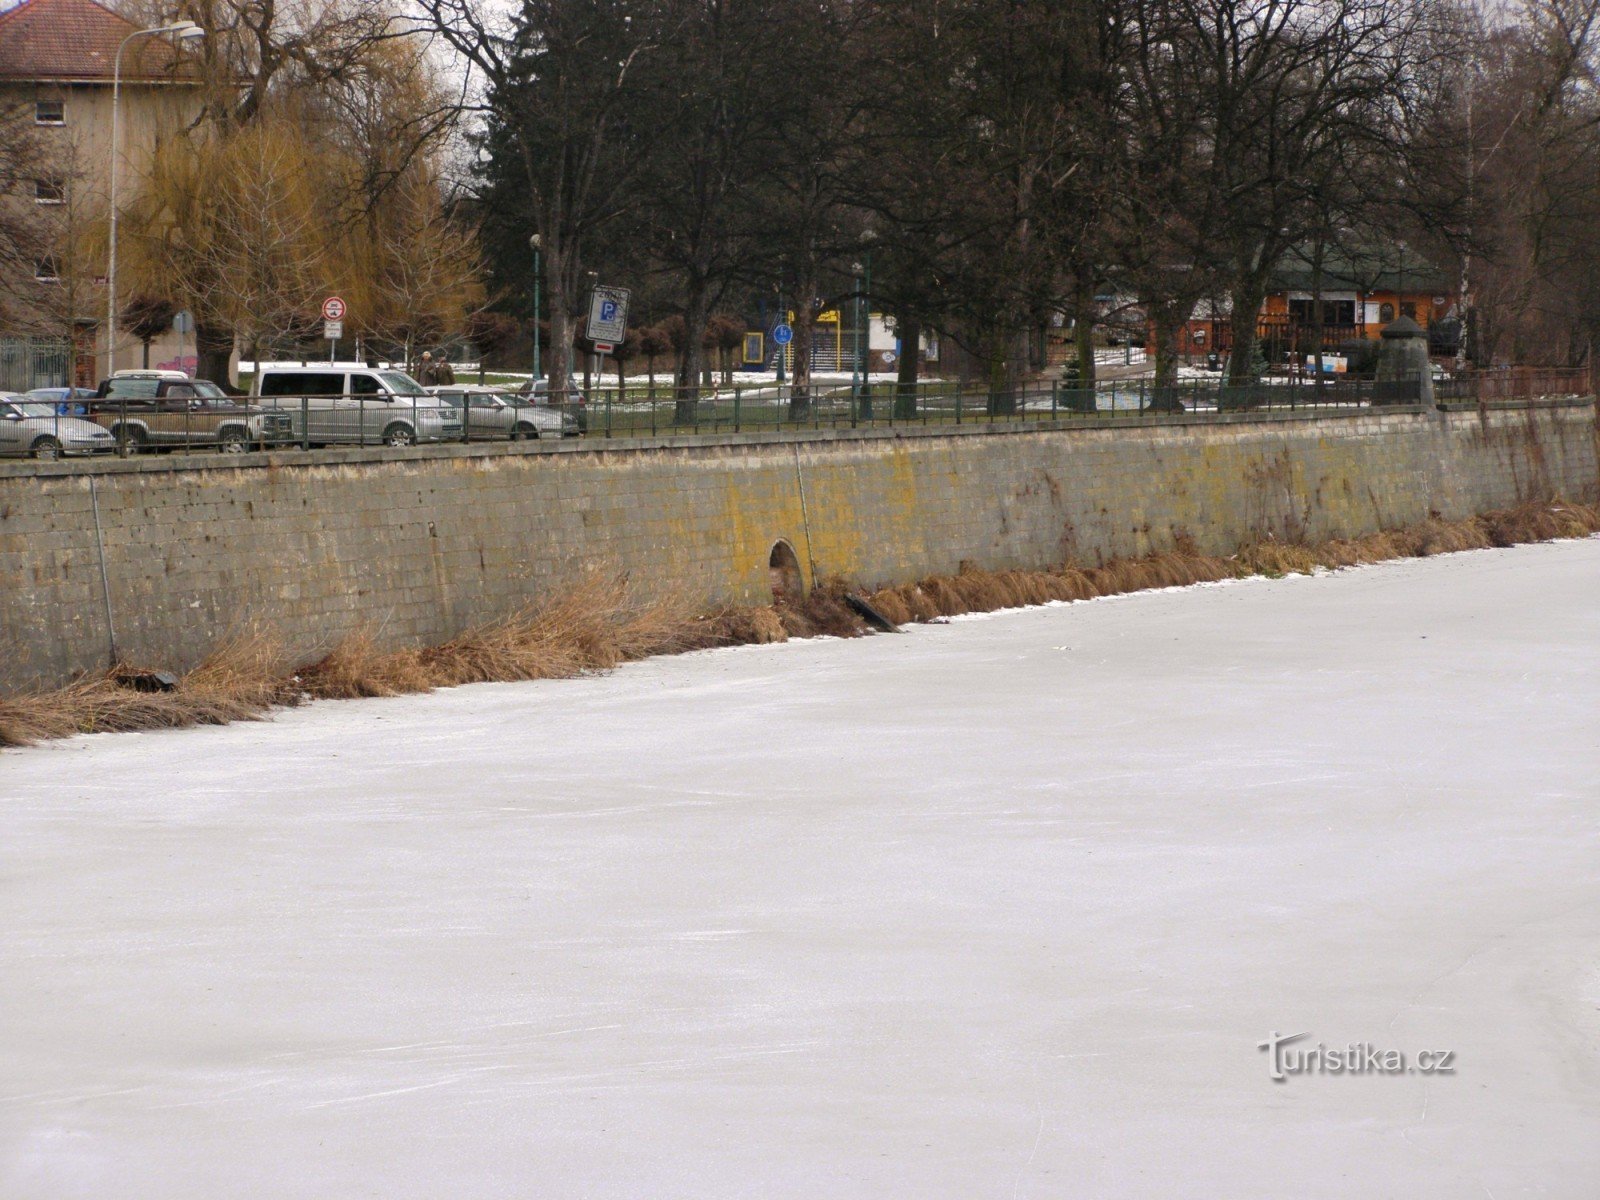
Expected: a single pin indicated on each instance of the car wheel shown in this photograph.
(233, 441)
(399, 435)
(45, 448)
(525, 431)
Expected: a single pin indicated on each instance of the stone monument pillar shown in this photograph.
(1402, 358)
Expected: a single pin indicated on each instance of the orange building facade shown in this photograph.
(1359, 296)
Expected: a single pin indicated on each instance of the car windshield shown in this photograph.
(401, 384)
(204, 387)
(36, 409)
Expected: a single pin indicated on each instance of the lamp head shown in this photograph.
(187, 31)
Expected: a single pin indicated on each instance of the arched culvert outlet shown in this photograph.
(783, 568)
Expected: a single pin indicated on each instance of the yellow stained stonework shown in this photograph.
(415, 545)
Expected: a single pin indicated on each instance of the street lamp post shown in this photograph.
(538, 275)
(783, 319)
(588, 355)
(866, 356)
(186, 31)
(855, 364)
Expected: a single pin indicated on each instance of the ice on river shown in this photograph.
(999, 908)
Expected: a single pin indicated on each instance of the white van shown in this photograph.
(364, 406)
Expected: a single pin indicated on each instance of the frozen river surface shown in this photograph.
(999, 908)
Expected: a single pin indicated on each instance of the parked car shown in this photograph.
(571, 402)
(33, 427)
(68, 401)
(494, 413)
(366, 406)
(161, 409)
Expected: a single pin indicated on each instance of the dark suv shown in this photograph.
(157, 409)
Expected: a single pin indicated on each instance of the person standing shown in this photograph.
(427, 373)
(445, 372)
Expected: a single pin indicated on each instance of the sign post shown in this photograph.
(333, 311)
(182, 323)
(782, 335)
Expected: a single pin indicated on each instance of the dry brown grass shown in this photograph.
(602, 622)
(242, 679)
(737, 627)
(1541, 522)
(591, 627)
(822, 613)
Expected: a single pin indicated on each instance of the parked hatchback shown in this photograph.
(34, 428)
(490, 413)
(569, 403)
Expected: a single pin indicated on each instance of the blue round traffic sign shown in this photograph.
(782, 334)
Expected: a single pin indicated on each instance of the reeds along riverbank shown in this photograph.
(602, 622)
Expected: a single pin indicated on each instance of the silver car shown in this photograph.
(34, 428)
(490, 413)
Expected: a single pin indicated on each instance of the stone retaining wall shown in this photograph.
(417, 544)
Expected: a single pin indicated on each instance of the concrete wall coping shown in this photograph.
(596, 444)
(1514, 405)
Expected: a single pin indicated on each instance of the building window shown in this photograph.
(45, 270)
(1334, 312)
(49, 112)
(49, 191)
(1408, 308)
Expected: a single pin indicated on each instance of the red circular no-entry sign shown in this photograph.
(333, 309)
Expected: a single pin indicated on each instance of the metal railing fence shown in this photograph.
(129, 425)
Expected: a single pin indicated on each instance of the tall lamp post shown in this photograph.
(866, 318)
(185, 31)
(855, 363)
(783, 319)
(588, 355)
(538, 275)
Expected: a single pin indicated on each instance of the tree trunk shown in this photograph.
(214, 354)
(804, 335)
(692, 365)
(560, 268)
(1083, 330)
(1242, 322)
(1007, 353)
(1166, 320)
(1318, 334)
(909, 368)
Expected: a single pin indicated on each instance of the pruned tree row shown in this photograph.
(991, 169)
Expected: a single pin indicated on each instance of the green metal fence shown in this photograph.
(630, 412)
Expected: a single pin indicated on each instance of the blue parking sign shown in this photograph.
(608, 315)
